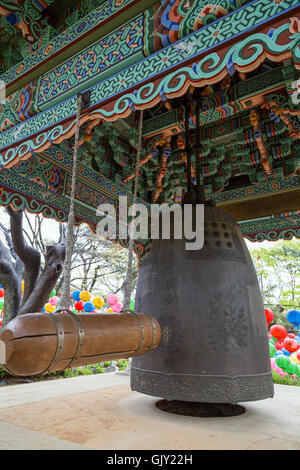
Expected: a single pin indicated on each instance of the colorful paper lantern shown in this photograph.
(52, 293)
(293, 316)
(272, 349)
(1, 292)
(76, 295)
(290, 345)
(85, 295)
(88, 307)
(49, 308)
(98, 302)
(112, 299)
(54, 300)
(295, 357)
(79, 305)
(117, 307)
(269, 315)
(282, 361)
(278, 332)
(110, 310)
(278, 345)
(279, 353)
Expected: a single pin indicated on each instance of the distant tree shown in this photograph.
(98, 265)
(278, 271)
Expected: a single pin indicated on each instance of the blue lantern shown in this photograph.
(293, 316)
(75, 295)
(89, 307)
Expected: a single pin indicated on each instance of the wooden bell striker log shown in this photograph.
(36, 343)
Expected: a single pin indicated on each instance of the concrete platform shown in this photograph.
(101, 412)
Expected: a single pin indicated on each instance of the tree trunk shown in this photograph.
(10, 280)
(53, 268)
(30, 256)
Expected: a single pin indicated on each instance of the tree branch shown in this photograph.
(30, 256)
(53, 268)
(10, 281)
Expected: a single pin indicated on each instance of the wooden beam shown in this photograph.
(265, 206)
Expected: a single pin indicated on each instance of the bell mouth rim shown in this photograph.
(203, 388)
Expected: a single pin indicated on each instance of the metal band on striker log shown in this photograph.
(80, 332)
(60, 340)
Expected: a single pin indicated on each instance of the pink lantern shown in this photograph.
(112, 299)
(117, 307)
(54, 300)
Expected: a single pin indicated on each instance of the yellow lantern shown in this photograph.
(294, 357)
(22, 286)
(98, 302)
(85, 295)
(110, 310)
(49, 308)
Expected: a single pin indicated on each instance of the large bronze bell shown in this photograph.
(214, 346)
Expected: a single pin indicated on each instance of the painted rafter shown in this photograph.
(277, 41)
(280, 46)
(25, 17)
(99, 22)
(30, 196)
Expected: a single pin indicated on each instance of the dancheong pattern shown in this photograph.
(244, 56)
(85, 68)
(271, 44)
(67, 37)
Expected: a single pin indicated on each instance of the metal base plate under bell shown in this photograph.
(200, 410)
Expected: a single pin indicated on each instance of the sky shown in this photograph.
(50, 231)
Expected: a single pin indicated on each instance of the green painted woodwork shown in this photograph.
(145, 94)
(73, 40)
(222, 53)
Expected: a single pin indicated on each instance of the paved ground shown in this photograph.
(101, 412)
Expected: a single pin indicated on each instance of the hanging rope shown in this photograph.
(65, 300)
(127, 286)
(200, 188)
(187, 142)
